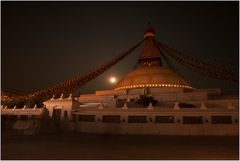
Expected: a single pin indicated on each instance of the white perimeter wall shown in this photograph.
(152, 128)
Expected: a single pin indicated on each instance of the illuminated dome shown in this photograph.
(152, 76)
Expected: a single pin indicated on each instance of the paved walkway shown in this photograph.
(90, 146)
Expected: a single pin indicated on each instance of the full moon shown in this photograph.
(112, 80)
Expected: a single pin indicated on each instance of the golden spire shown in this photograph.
(149, 54)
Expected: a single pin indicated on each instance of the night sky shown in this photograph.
(44, 43)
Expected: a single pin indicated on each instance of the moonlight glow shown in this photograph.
(112, 80)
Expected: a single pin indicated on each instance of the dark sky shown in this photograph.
(44, 43)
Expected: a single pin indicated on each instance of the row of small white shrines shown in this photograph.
(21, 111)
(25, 107)
(100, 106)
(176, 106)
(15, 107)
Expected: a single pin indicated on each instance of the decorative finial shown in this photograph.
(150, 107)
(70, 96)
(149, 31)
(176, 106)
(100, 106)
(14, 107)
(53, 97)
(125, 107)
(61, 97)
(203, 106)
(24, 107)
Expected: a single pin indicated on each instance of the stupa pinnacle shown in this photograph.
(149, 55)
(150, 73)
